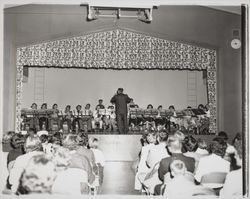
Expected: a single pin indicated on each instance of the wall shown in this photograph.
(192, 24)
(80, 86)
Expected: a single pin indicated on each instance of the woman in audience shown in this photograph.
(38, 176)
(215, 161)
(233, 183)
(190, 146)
(77, 160)
(143, 169)
(100, 161)
(32, 147)
(76, 178)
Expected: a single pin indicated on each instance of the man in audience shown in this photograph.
(32, 147)
(121, 101)
(174, 145)
(182, 186)
(213, 162)
(233, 183)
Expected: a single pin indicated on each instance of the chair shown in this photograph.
(214, 180)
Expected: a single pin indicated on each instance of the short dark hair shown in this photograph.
(100, 100)
(223, 135)
(218, 146)
(82, 138)
(17, 141)
(172, 106)
(44, 138)
(190, 143)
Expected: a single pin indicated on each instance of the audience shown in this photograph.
(170, 164)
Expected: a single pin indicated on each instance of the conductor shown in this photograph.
(121, 100)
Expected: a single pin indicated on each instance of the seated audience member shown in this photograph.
(230, 149)
(233, 183)
(182, 186)
(43, 131)
(217, 149)
(174, 145)
(32, 147)
(47, 147)
(110, 119)
(38, 176)
(190, 146)
(84, 150)
(148, 119)
(202, 147)
(87, 120)
(44, 120)
(97, 119)
(158, 152)
(143, 169)
(68, 116)
(99, 159)
(17, 143)
(76, 178)
(77, 160)
(100, 104)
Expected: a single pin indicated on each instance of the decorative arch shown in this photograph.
(122, 50)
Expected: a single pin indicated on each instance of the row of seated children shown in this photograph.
(42, 164)
(178, 165)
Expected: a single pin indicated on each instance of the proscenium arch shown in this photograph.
(119, 49)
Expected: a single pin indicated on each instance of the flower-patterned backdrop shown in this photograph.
(119, 49)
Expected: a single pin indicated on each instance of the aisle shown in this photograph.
(118, 178)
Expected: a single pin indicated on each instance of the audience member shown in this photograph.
(182, 186)
(32, 147)
(233, 183)
(38, 176)
(215, 161)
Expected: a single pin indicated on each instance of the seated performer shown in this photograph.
(100, 104)
(132, 104)
(55, 121)
(43, 120)
(33, 121)
(86, 120)
(160, 121)
(68, 116)
(97, 119)
(148, 119)
(110, 118)
(77, 122)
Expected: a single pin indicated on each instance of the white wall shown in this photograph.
(81, 86)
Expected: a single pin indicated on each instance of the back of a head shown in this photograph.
(190, 144)
(202, 143)
(70, 142)
(218, 146)
(33, 143)
(38, 176)
(174, 144)
(178, 167)
(82, 138)
(223, 135)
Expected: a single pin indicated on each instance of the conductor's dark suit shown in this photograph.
(121, 100)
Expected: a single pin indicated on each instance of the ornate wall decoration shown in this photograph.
(123, 50)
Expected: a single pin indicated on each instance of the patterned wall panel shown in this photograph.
(123, 50)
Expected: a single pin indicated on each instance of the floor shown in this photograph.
(118, 178)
